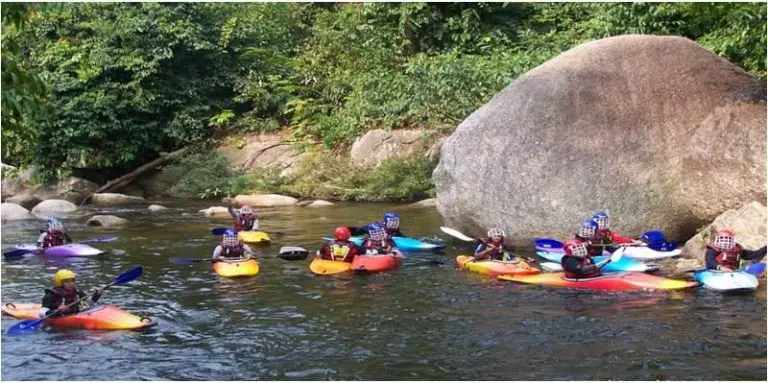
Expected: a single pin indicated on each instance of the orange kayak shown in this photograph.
(612, 282)
(105, 317)
(325, 267)
(377, 263)
(495, 268)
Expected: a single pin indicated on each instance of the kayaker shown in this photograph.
(725, 254)
(577, 263)
(588, 234)
(53, 235)
(493, 247)
(231, 247)
(377, 241)
(605, 235)
(340, 248)
(245, 218)
(392, 224)
(64, 292)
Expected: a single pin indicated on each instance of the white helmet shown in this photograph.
(724, 239)
(496, 232)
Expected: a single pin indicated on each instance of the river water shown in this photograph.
(427, 321)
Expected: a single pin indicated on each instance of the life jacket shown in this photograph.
(729, 258)
(64, 296)
(341, 250)
(244, 224)
(586, 261)
(378, 247)
(497, 254)
(232, 251)
(594, 251)
(53, 238)
(392, 232)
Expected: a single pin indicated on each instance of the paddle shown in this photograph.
(188, 260)
(549, 243)
(551, 266)
(221, 230)
(18, 253)
(34, 324)
(99, 240)
(457, 234)
(755, 269)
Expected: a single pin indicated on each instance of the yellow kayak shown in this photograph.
(326, 267)
(495, 268)
(236, 268)
(253, 237)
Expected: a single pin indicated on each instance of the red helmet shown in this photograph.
(342, 233)
(724, 239)
(575, 248)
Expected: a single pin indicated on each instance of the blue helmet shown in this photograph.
(654, 236)
(376, 231)
(602, 219)
(588, 228)
(391, 220)
(230, 238)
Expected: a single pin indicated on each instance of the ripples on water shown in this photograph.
(423, 322)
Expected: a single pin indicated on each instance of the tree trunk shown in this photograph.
(128, 178)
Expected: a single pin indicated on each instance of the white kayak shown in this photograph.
(724, 281)
(642, 253)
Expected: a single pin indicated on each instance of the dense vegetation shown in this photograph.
(113, 85)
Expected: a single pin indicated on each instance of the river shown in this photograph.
(427, 321)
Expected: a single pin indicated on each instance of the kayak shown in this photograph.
(326, 267)
(403, 244)
(611, 282)
(68, 250)
(495, 268)
(640, 253)
(293, 253)
(724, 281)
(104, 317)
(253, 237)
(236, 268)
(624, 264)
(377, 262)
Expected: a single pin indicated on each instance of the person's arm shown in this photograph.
(617, 238)
(216, 252)
(255, 223)
(41, 239)
(482, 250)
(710, 258)
(248, 251)
(575, 266)
(96, 294)
(232, 212)
(753, 254)
(67, 238)
(49, 301)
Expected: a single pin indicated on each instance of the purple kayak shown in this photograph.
(68, 250)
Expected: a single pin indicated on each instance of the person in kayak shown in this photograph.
(392, 224)
(53, 235)
(377, 241)
(231, 247)
(588, 234)
(245, 218)
(64, 292)
(340, 248)
(604, 234)
(577, 263)
(725, 254)
(493, 247)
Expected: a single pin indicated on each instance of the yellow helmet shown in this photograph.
(62, 275)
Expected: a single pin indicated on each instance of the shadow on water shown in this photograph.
(426, 321)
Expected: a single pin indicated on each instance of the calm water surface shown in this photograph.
(426, 321)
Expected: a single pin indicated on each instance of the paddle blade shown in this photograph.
(16, 253)
(455, 233)
(357, 231)
(100, 240)
(219, 230)
(755, 269)
(186, 260)
(618, 254)
(547, 243)
(129, 275)
(25, 327)
(551, 266)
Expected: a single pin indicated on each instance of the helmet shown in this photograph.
(229, 238)
(376, 231)
(724, 239)
(391, 220)
(575, 248)
(54, 224)
(588, 228)
(653, 236)
(342, 233)
(246, 210)
(496, 232)
(602, 219)
(61, 276)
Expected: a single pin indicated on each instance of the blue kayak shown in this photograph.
(403, 244)
(727, 282)
(624, 264)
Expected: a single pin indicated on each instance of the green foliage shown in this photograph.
(399, 179)
(203, 175)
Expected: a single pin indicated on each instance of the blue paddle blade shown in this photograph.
(16, 253)
(219, 230)
(186, 260)
(755, 269)
(547, 243)
(24, 327)
(129, 275)
(654, 236)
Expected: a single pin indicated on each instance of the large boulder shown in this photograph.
(265, 200)
(72, 189)
(748, 223)
(376, 146)
(106, 221)
(425, 203)
(54, 207)
(115, 199)
(657, 129)
(156, 208)
(26, 198)
(320, 203)
(216, 212)
(259, 151)
(13, 212)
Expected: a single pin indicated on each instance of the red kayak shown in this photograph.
(373, 263)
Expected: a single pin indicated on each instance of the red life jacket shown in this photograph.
(594, 251)
(729, 258)
(497, 254)
(343, 251)
(586, 261)
(381, 247)
(64, 296)
(244, 224)
(232, 251)
(53, 238)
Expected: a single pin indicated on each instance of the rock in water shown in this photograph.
(13, 212)
(657, 129)
(106, 221)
